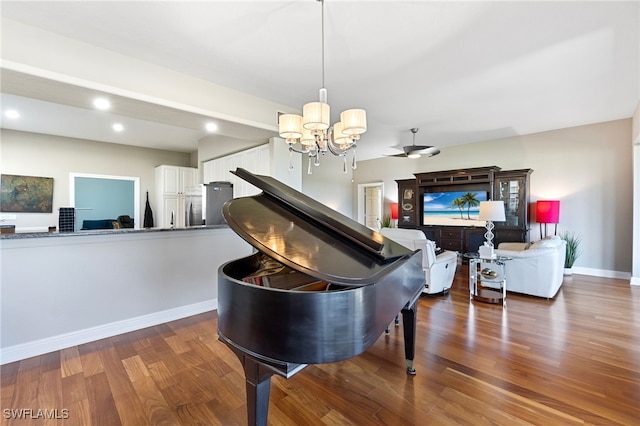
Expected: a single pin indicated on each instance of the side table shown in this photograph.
(487, 278)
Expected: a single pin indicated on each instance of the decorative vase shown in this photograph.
(568, 271)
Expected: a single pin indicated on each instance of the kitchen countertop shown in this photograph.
(24, 235)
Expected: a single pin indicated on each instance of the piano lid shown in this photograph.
(310, 237)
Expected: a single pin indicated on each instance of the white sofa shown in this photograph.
(536, 268)
(439, 270)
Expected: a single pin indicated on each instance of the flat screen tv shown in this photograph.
(457, 208)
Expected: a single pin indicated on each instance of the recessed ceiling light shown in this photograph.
(12, 113)
(102, 104)
(118, 127)
(211, 126)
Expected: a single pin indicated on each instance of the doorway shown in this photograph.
(98, 197)
(370, 204)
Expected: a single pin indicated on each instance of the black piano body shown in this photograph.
(321, 288)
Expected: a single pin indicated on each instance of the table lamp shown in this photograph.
(490, 211)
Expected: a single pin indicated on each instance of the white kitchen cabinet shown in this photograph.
(271, 159)
(174, 179)
(171, 184)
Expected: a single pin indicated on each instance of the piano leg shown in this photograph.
(396, 321)
(258, 385)
(409, 316)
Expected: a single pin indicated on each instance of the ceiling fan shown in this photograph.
(415, 151)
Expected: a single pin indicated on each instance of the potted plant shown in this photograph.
(386, 222)
(573, 250)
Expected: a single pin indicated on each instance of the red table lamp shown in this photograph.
(547, 211)
(394, 211)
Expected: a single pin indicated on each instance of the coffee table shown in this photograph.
(487, 278)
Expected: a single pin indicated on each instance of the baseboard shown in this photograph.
(62, 341)
(635, 281)
(604, 273)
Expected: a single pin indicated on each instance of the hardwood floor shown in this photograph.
(571, 360)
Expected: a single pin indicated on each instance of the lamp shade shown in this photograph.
(548, 211)
(338, 135)
(394, 211)
(354, 121)
(492, 211)
(308, 140)
(290, 126)
(316, 116)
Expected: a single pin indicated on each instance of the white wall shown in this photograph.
(328, 184)
(588, 168)
(34, 154)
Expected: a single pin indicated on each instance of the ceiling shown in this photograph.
(461, 72)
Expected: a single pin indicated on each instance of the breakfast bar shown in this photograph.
(64, 289)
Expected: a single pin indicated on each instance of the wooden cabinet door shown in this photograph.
(512, 187)
(407, 203)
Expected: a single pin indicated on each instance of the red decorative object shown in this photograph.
(394, 211)
(547, 211)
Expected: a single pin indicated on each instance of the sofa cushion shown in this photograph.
(514, 246)
(413, 239)
(97, 224)
(403, 234)
(548, 242)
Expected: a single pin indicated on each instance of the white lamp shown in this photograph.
(491, 211)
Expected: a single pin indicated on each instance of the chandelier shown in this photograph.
(312, 132)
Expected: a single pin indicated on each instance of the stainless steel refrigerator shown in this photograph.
(214, 196)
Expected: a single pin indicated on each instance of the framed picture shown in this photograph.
(26, 194)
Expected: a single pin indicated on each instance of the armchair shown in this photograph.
(535, 269)
(439, 270)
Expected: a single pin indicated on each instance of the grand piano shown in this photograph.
(320, 288)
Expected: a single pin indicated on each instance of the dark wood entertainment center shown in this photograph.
(510, 186)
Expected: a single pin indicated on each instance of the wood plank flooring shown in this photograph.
(568, 361)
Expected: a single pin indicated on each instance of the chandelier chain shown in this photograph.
(322, 32)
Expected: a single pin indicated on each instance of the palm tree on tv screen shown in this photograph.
(471, 201)
(459, 203)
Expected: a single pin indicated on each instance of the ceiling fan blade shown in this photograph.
(415, 151)
(430, 152)
(427, 152)
(415, 148)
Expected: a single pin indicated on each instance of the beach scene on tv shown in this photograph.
(457, 208)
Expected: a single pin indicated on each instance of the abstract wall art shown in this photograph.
(26, 194)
